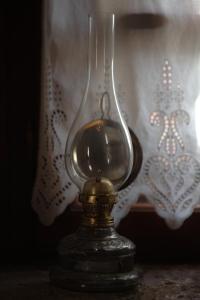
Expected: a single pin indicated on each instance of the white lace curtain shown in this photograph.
(157, 74)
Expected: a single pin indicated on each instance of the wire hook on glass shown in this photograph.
(105, 105)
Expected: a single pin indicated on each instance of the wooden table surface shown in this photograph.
(159, 282)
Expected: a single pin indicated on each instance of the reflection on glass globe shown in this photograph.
(99, 150)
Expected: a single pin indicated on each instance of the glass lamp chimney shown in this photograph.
(99, 144)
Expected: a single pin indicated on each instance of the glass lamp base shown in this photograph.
(96, 260)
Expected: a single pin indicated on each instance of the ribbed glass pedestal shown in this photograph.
(96, 260)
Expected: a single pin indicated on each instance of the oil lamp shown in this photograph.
(99, 159)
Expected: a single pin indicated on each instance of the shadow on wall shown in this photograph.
(142, 21)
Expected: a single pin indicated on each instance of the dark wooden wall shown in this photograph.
(19, 112)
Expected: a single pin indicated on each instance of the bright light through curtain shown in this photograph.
(157, 74)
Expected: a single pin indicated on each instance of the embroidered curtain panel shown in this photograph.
(157, 75)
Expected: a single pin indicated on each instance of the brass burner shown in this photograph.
(97, 198)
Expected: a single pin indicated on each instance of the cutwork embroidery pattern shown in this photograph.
(173, 175)
(52, 184)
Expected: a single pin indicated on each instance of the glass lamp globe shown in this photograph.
(99, 144)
